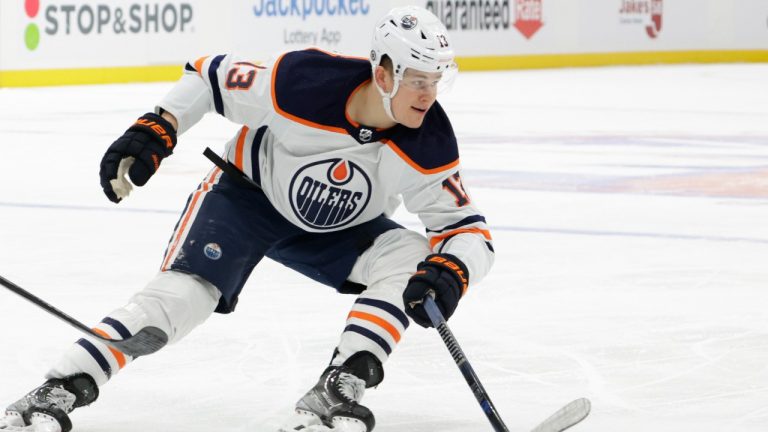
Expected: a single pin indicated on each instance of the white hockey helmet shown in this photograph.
(413, 38)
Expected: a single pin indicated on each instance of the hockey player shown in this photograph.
(329, 146)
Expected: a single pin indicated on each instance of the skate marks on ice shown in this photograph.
(711, 166)
(630, 263)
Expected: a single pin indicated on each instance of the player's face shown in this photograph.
(417, 93)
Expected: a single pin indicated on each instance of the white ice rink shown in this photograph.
(629, 209)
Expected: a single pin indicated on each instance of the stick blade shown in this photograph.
(147, 341)
(566, 417)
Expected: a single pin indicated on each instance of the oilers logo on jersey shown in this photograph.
(330, 193)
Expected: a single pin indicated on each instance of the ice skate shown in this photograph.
(46, 408)
(333, 405)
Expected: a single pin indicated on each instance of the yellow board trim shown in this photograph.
(79, 76)
(540, 61)
(134, 74)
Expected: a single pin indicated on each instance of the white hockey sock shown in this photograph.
(377, 320)
(173, 302)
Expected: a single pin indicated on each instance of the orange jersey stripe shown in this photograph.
(437, 239)
(349, 100)
(239, 148)
(416, 166)
(378, 321)
(118, 355)
(199, 65)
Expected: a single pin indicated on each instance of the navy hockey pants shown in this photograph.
(227, 228)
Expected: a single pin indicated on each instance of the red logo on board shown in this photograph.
(645, 12)
(528, 16)
(657, 8)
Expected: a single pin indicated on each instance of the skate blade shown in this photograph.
(307, 421)
(12, 422)
(304, 421)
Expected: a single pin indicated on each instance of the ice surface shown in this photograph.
(629, 209)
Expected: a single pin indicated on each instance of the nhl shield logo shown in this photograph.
(330, 193)
(365, 135)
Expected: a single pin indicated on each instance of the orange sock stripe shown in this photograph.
(378, 321)
(120, 357)
(437, 239)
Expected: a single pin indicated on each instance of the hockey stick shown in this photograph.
(231, 169)
(561, 420)
(146, 341)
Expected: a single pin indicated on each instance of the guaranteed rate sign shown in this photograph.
(529, 16)
(469, 15)
(484, 15)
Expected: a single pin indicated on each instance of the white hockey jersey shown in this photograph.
(320, 169)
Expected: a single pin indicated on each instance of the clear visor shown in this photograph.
(440, 82)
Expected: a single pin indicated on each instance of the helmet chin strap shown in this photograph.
(386, 98)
